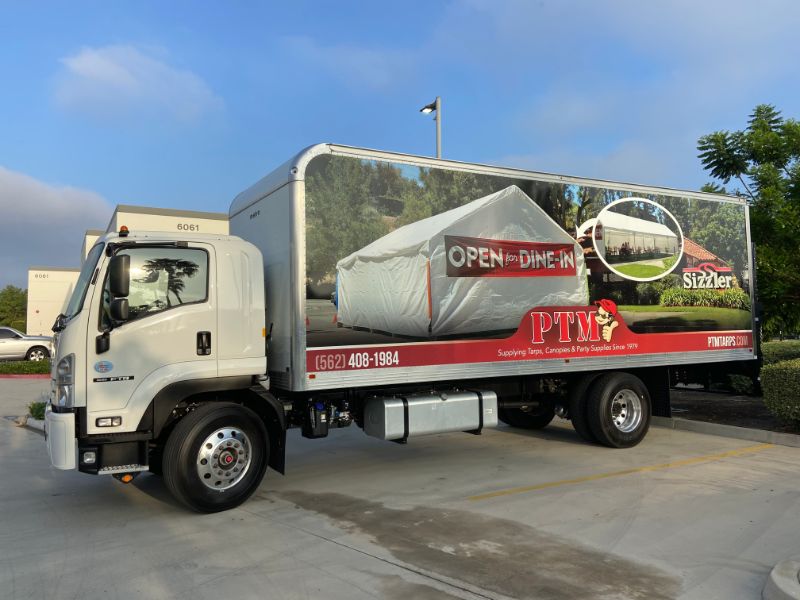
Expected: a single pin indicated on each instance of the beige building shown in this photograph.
(142, 218)
(49, 288)
(89, 238)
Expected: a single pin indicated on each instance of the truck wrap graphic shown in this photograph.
(411, 265)
(545, 333)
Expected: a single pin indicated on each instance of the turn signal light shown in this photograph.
(108, 422)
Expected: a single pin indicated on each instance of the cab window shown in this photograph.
(161, 279)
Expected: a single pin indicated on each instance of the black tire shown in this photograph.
(615, 400)
(578, 407)
(37, 353)
(181, 464)
(535, 418)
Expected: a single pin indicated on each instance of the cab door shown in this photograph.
(170, 334)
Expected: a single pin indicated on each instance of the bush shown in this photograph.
(730, 298)
(777, 351)
(616, 295)
(24, 367)
(740, 384)
(649, 292)
(781, 384)
(36, 410)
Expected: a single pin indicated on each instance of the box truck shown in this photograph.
(404, 294)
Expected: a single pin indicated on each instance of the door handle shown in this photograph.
(203, 343)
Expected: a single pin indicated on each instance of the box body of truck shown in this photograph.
(578, 275)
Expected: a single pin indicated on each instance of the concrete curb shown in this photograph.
(35, 423)
(731, 431)
(27, 422)
(783, 582)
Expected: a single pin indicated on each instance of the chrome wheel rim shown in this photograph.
(626, 411)
(224, 458)
(37, 355)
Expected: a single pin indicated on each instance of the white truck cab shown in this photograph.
(190, 323)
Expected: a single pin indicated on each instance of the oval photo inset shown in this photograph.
(638, 239)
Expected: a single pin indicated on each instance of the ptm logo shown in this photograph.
(707, 276)
(577, 325)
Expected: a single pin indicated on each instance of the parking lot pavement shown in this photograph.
(16, 394)
(508, 514)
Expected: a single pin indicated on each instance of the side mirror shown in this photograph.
(119, 275)
(119, 309)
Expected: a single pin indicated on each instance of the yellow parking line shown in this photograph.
(646, 469)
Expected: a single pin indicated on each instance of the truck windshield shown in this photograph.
(79, 293)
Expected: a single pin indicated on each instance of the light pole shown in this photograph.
(435, 106)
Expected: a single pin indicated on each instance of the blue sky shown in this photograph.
(184, 104)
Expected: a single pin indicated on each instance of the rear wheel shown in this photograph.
(215, 457)
(535, 416)
(619, 410)
(579, 407)
(37, 353)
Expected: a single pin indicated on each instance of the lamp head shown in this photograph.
(426, 110)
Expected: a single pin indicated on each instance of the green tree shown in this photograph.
(444, 189)
(177, 270)
(764, 160)
(13, 306)
(342, 213)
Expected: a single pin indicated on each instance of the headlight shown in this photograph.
(64, 381)
(64, 396)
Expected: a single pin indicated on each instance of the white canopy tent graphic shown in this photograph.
(636, 233)
(399, 284)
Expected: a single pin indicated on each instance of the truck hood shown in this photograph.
(42, 338)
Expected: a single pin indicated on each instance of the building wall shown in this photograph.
(89, 238)
(165, 221)
(49, 290)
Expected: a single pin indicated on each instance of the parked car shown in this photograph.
(15, 345)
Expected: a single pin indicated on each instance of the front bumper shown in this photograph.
(59, 431)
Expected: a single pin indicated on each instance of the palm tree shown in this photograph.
(177, 271)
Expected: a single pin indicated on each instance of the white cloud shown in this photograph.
(125, 81)
(356, 66)
(43, 224)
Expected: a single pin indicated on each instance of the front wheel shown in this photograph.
(619, 410)
(215, 457)
(37, 353)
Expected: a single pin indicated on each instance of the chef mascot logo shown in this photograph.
(606, 317)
